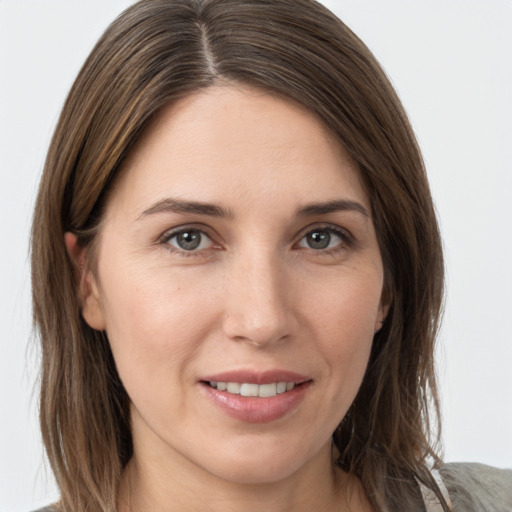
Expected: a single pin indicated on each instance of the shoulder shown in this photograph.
(477, 487)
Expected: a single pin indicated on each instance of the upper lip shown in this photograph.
(257, 377)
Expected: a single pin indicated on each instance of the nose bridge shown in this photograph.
(256, 308)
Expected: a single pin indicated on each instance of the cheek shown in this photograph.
(345, 307)
(154, 328)
(343, 319)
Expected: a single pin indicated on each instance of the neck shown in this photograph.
(147, 487)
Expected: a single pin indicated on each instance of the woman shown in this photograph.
(237, 273)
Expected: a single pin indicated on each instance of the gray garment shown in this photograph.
(478, 488)
(472, 488)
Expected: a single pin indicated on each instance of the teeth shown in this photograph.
(249, 389)
(267, 390)
(233, 387)
(281, 387)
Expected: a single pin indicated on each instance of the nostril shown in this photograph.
(260, 331)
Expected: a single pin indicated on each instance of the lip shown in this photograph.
(256, 409)
(252, 377)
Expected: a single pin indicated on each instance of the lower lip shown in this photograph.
(253, 409)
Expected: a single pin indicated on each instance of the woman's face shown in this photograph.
(237, 255)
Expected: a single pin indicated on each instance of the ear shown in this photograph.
(382, 313)
(92, 308)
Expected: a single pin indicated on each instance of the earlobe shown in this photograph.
(87, 288)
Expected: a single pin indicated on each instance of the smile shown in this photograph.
(250, 389)
(256, 396)
(256, 403)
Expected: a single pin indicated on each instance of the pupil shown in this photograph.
(189, 240)
(319, 239)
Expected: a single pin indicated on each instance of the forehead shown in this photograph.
(239, 143)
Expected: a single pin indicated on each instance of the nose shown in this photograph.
(257, 309)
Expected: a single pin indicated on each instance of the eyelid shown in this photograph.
(346, 236)
(169, 233)
(205, 231)
(327, 226)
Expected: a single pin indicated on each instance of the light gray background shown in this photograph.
(451, 63)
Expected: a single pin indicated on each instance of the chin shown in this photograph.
(257, 471)
(263, 465)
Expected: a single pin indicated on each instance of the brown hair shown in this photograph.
(155, 53)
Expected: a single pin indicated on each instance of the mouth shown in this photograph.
(255, 390)
(254, 396)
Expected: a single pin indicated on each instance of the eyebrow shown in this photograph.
(335, 205)
(180, 206)
(212, 210)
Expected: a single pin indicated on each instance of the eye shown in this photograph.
(189, 240)
(324, 238)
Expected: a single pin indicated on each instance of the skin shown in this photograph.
(254, 295)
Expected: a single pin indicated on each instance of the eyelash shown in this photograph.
(169, 235)
(347, 240)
